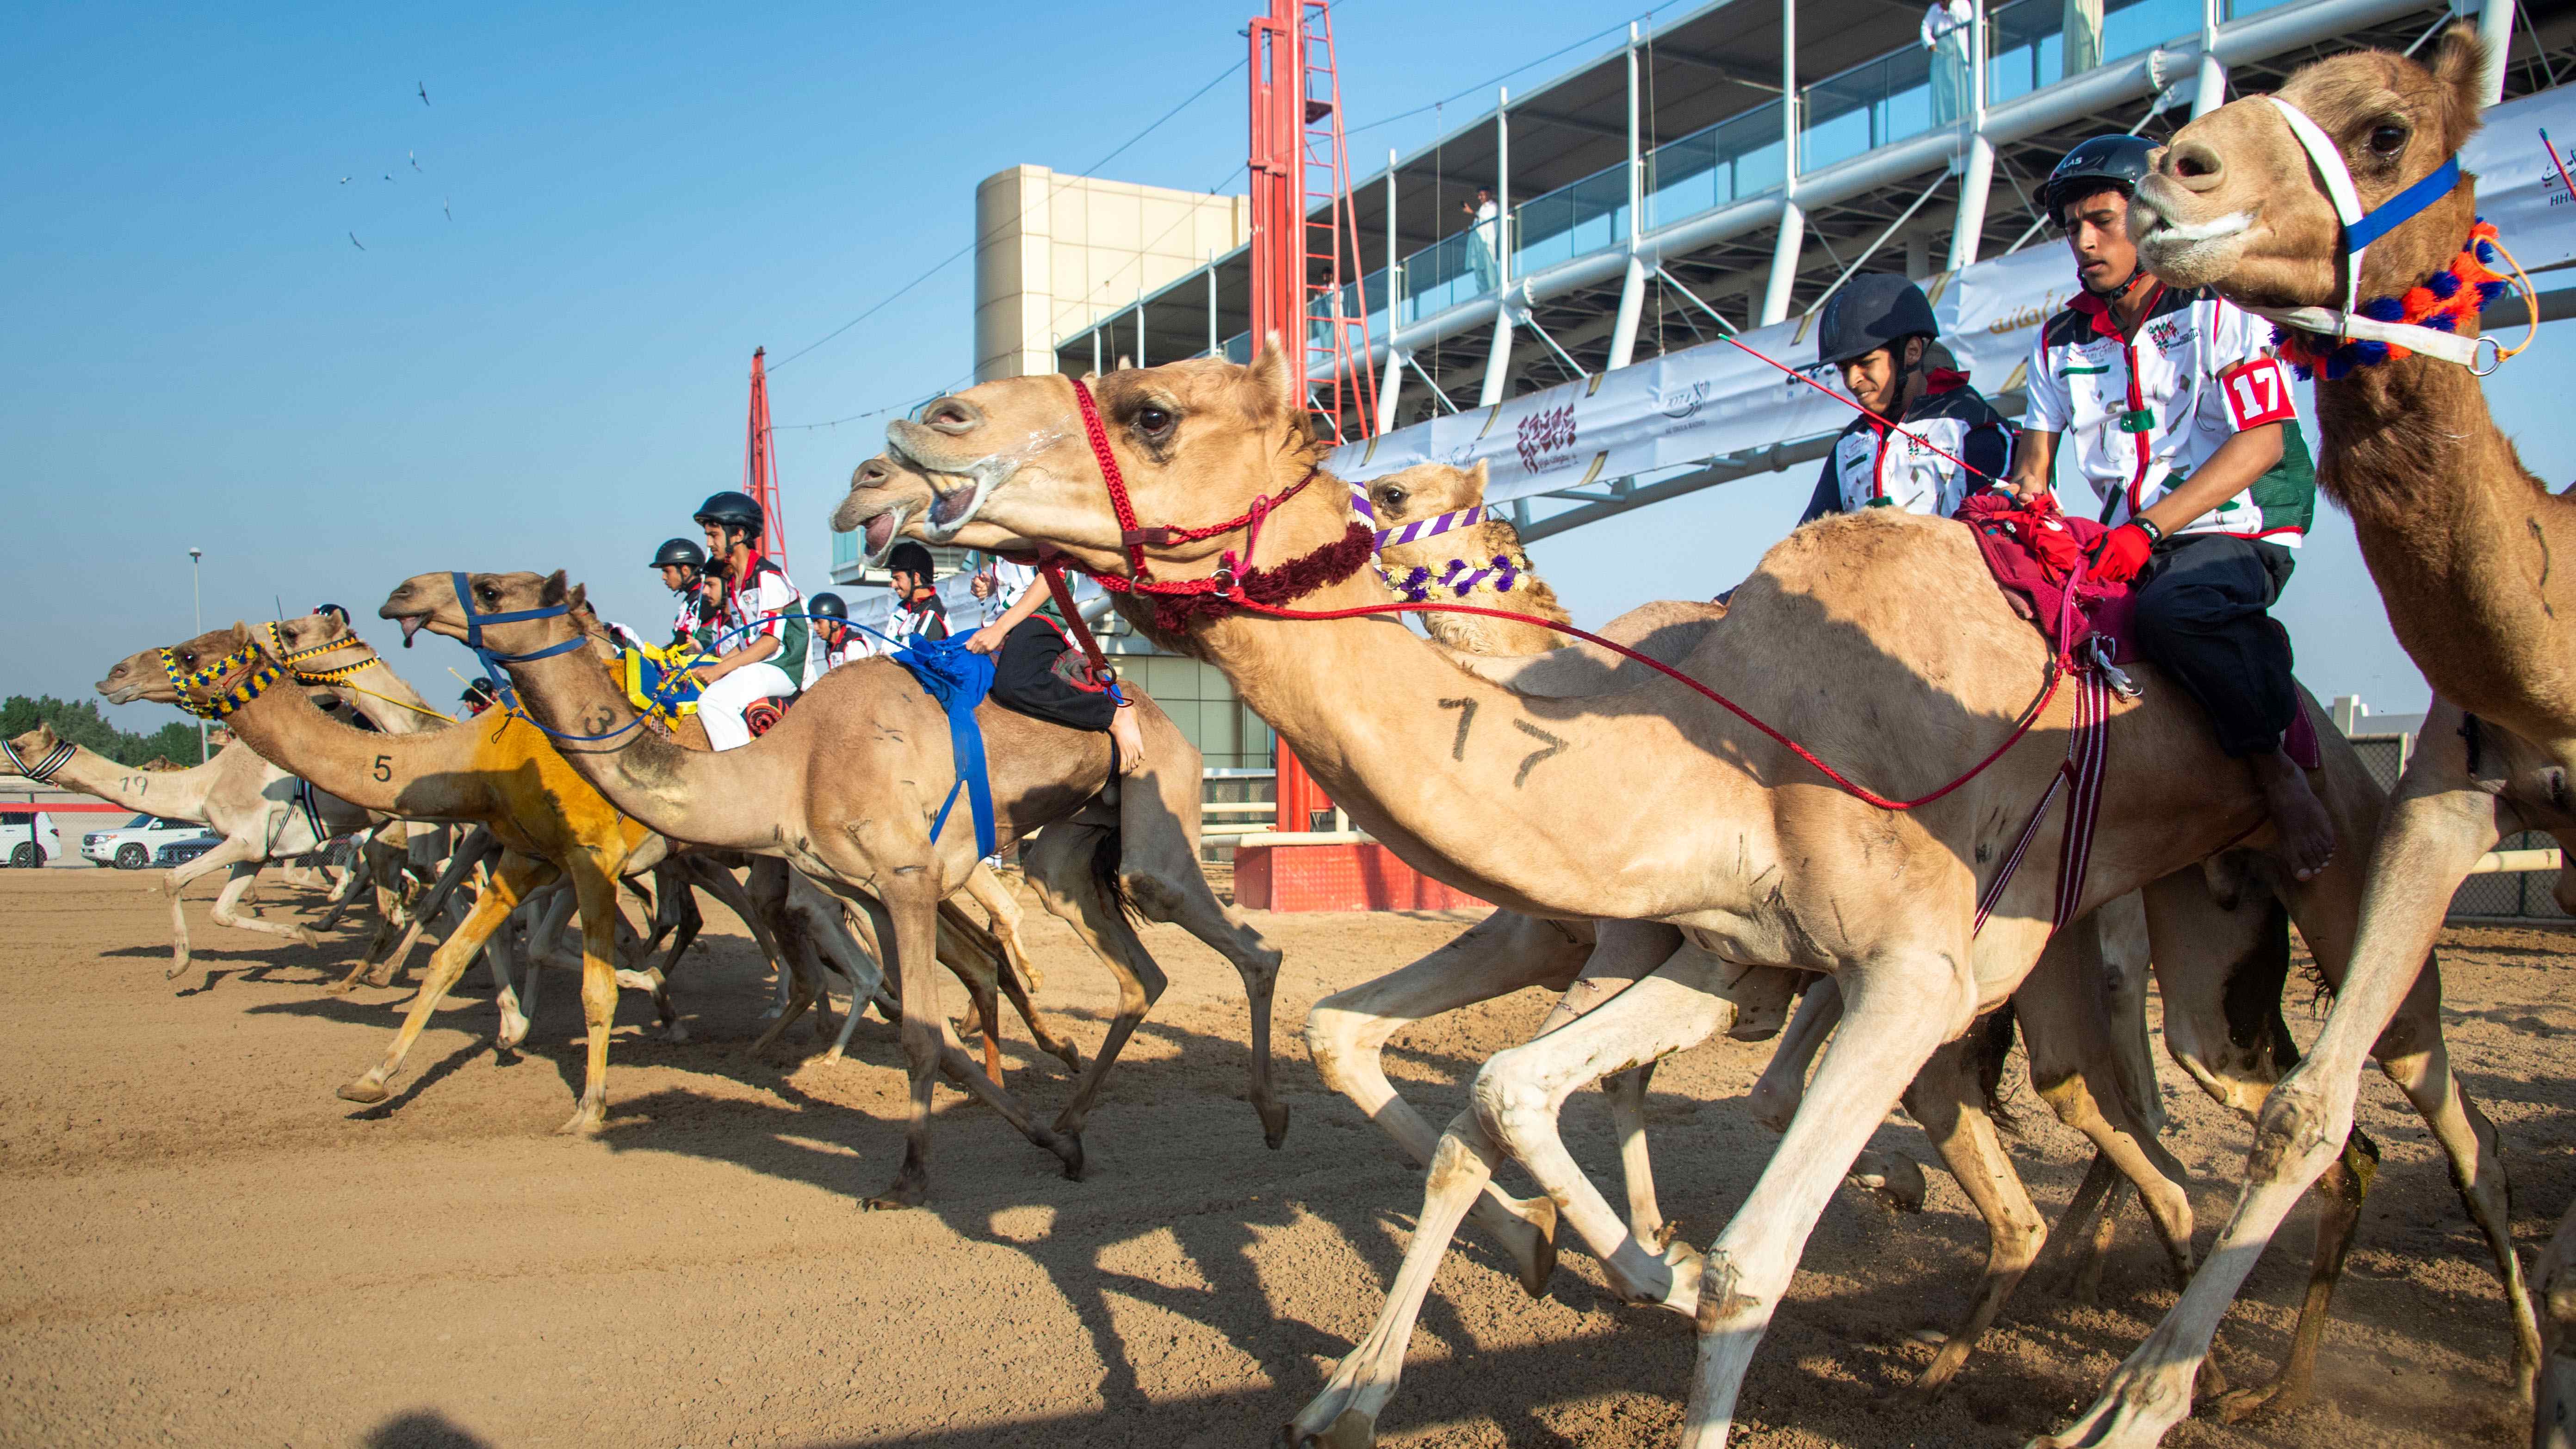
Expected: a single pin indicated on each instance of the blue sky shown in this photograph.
(639, 196)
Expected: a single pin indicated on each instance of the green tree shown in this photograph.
(82, 724)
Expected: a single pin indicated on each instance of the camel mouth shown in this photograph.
(2189, 252)
(878, 533)
(119, 693)
(953, 511)
(412, 624)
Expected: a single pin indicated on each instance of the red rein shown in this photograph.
(1180, 602)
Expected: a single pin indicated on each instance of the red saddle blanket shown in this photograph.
(2038, 554)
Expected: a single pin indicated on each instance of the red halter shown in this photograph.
(1237, 588)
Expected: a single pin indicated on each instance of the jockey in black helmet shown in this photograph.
(833, 635)
(765, 650)
(2166, 410)
(1878, 331)
(684, 566)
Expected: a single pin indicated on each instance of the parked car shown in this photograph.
(180, 852)
(28, 839)
(131, 846)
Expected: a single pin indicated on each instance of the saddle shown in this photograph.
(658, 682)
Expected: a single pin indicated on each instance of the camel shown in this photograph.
(1931, 672)
(264, 813)
(2459, 537)
(1481, 562)
(847, 789)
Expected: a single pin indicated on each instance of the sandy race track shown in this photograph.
(204, 1246)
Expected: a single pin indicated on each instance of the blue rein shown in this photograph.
(494, 661)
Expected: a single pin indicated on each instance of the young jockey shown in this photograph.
(2170, 405)
(1026, 637)
(917, 608)
(684, 566)
(837, 642)
(1877, 330)
(766, 651)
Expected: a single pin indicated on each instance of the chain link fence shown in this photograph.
(2524, 895)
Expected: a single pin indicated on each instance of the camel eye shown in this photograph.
(2387, 139)
(1155, 419)
(1391, 497)
(491, 595)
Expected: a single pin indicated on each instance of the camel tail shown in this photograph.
(1105, 858)
(1995, 1043)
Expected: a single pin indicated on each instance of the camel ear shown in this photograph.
(1476, 478)
(2460, 65)
(552, 592)
(579, 598)
(1275, 391)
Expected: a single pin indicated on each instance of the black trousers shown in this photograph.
(2202, 618)
(1024, 679)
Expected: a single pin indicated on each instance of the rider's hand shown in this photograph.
(988, 639)
(982, 586)
(2121, 553)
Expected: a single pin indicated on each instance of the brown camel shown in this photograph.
(2458, 536)
(1767, 867)
(1480, 563)
(847, 789)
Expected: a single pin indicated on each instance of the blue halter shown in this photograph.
(494, 660)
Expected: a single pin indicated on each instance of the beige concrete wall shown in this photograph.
(1056, 253)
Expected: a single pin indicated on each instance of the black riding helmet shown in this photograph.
(2113, 162)
(911, 558)
(828, 606)
(730, 509)
(680, 553)
(1873, 310)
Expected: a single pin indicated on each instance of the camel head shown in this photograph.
(37, 743)
(143, 676)
(890, 499)
(2236, 204)
(428, 601)
(1413, 495)
(1196, 441)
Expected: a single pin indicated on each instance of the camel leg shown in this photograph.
(1066, 884)
(1347, 1031)
(908, 916)
(953, 940)
(594, 884)
(2553, 1417)
(1897, 1008)
(985, 888)
(477, 847)
(1948, 1099)
(518, 875)
(1776, 1094)
(2437, 828)
(1627, 1093)
(501, 956)
(234, 851)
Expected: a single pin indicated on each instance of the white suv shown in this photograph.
(131, 846)
(27, 838)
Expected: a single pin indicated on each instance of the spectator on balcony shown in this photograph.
(2083, 26)
(1945, 34)
(1484, 236)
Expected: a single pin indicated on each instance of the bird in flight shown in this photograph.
(344, 180)
(353, 241)
(415, 161)
(424, 93)
(389, 176)
(442, 206)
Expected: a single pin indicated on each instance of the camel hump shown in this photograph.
(1667, 631)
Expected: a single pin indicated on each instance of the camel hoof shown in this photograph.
(1896, 1178)
(1660, 1237)
(175, 968)
(364, 1089)
(1274, 1124)
(382, 975)
(1068, 1146)
(584, 1122)
(514, 1030)
(896, 1198)
(773, 1012)
(305, 935)
(2239, 1405)
(678, 1031)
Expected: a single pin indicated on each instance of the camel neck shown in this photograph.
(429, 776)
(179, 793)
(389, 703)
(2457, 535)
(705, 797)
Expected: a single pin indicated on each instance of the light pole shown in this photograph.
(197, 588)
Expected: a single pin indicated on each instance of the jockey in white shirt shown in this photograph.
(765, 649)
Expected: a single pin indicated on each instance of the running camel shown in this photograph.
(1766, 868)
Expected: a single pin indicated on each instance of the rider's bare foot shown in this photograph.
(1131, 742)
(2307, 836)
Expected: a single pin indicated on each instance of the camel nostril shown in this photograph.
(2195, 164)
(952, 415)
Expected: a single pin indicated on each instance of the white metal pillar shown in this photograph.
(1389, 384)
(1498, 359)
(1394, 264)
(1214, 342)
(1784, 263)
(1140, 325)
(1632, 291)
(1498, 362)
(2210, 91)
(1977, 174)
(2495, 27)
(1793, 218)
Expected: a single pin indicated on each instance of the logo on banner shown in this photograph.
(1683, 403)
(1545, 440)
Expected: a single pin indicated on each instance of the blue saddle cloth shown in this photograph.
(958, 678)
